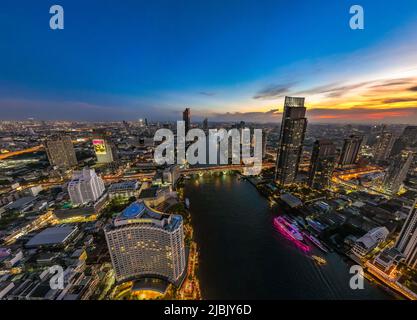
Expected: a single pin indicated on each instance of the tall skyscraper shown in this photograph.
(145, 243)
(407, 139)
(104, 149)
(293, 128)
(350, 150)
(61, 152)
(186, 116)
(85, 187)
(383, 146)
(205, 124)
(397, 172)
(323, 161)
(407, 240)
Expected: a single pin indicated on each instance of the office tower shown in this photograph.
(407, 240)
(186, 117)
(407, 139)
(205, 124)
(397, 172)
(383, 146)
(264, 139)
(85, 187)
(293, 127)
(61, 152)
(145, 243)
(104, 149)
(350, 150)
(323, 161)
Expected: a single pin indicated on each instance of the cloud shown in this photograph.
(396, 100)
(273, 115)
(273, 92)
(207, 94)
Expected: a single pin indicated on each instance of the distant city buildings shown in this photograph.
(323, 161)
(104, 149)
(397, 172)
(407, 240)
(186, 117)
(60, 152)
(293, 128)
(145, 243)
(407, 139)
(85, 187)
(350, 150)
(383, 146)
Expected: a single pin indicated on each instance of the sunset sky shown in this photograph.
(225, 59)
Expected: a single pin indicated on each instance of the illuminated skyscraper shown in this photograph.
(397, 172)
(407, 240)
(323, 161)
(350, 150)
(293, 127)
(104, 149)
(145, 243)
(383, 146)
(186, 116)
(61, 152)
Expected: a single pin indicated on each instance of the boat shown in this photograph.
(315, 241)
(290, 231)
(319, 260)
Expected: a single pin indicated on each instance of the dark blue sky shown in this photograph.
(131, 59)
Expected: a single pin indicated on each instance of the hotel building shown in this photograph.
(146, 243)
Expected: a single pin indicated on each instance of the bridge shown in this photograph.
(222, 168)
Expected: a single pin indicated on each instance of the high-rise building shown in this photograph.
(61, 152)
(323, 161)
(397, 172)
(205, 124)
(145, 243)
(383, 146)
(350, 151)
(407, 240)
(186, 116)
(104, 148)
(85, 186)
(407, 139)
(293, 128)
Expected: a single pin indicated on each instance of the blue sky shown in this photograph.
(225, 59)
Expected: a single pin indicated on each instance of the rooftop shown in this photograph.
(52, 236)
(139, 212)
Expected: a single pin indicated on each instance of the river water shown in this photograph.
(243, 257)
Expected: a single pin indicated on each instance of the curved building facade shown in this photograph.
(145, 243)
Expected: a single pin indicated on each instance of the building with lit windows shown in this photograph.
(383, 146)
(407, 240)
(60, 152)
(397, 172)
(86, 186)
(350, 151)
(186, 117)
(104, 148)
(323, 161)
(146, 243)
(293, 128)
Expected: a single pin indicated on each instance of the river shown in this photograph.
(243, 257)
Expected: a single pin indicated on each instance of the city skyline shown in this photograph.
(153, 60)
